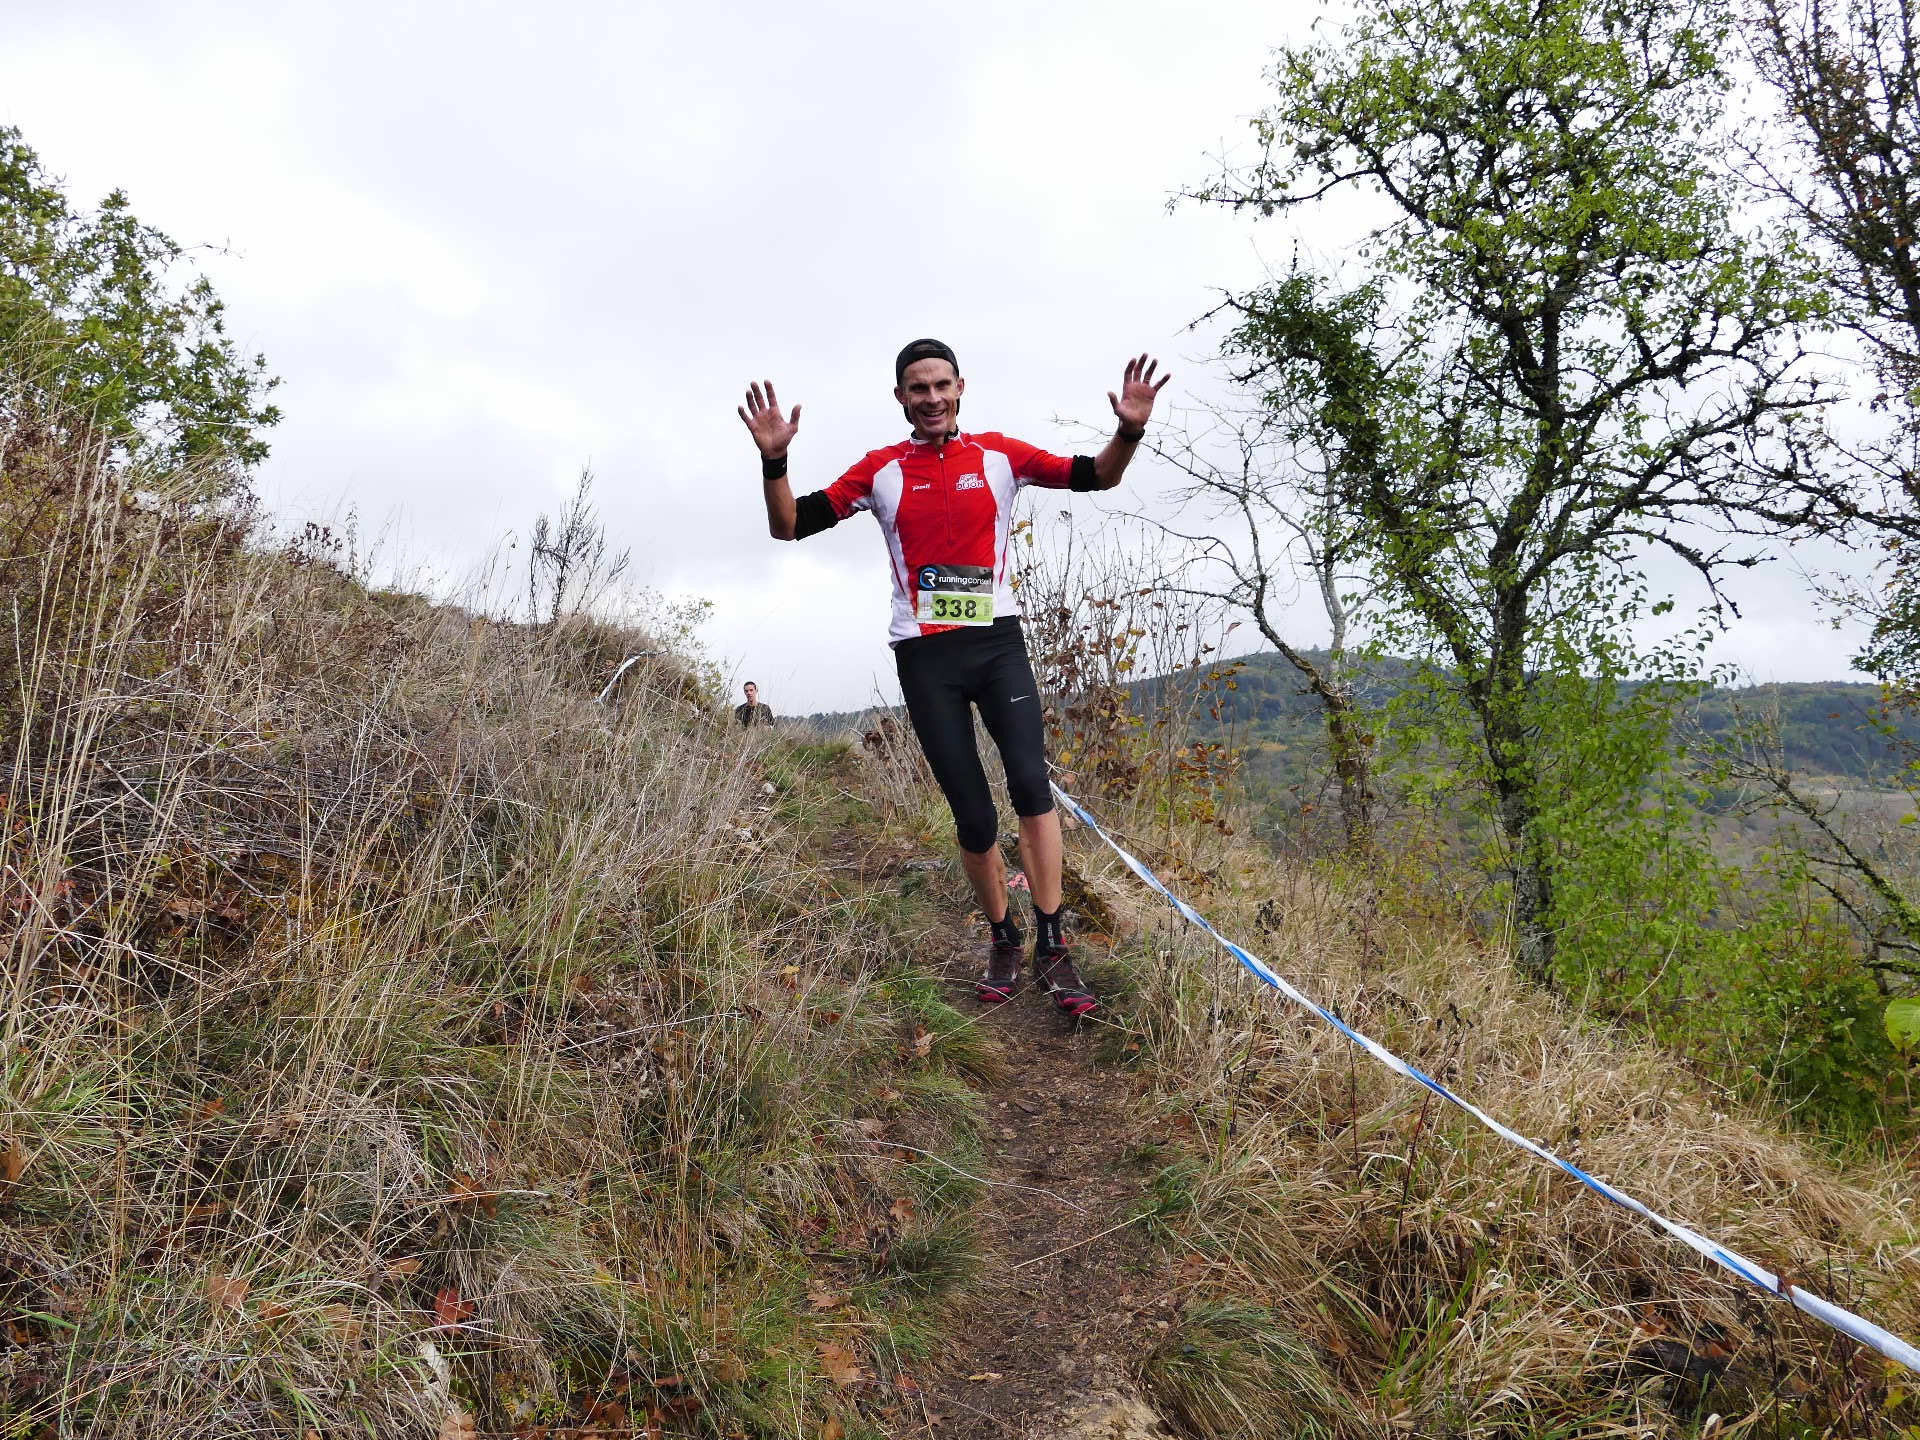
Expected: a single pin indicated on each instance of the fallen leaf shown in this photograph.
(341, 1318)
(790, 977)
(903, 1210)
(457, 1425)
(985, 1375)
(228, 1292)
(13, 1163)
(833, 1429)
(906, 1384)
(584, 983)
(404, 1265)
(465, 1190)
(825, 1299)
(272, 1309)
(922, 1042)
(730, 1370)
(886, 1094)
(450, 1309)
(842, 1369)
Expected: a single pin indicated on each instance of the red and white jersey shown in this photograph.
(944, 506)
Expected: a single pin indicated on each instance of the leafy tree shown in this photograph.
(1563, 354)
(99, 332)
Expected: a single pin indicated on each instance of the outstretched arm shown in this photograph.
(1132, 407)
(772, 433)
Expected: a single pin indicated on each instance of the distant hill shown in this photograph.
(1832, 729)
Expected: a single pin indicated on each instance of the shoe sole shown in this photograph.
(1070, 1002)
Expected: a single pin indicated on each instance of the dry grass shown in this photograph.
(1449, 1283)
(397, 1043)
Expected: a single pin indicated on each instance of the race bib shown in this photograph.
(954, 595)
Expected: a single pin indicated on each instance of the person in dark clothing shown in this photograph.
(753, 712)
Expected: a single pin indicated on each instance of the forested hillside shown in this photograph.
(1827, 730)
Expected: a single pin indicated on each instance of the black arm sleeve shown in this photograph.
(1083, 477)
(812, 514)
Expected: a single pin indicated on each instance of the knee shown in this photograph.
(977, 826)
(1028, 789)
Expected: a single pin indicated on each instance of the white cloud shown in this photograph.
(488, 243)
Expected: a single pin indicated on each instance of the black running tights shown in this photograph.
(942, 677)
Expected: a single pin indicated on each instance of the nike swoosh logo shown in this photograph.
(923, 487)
(1019, 697)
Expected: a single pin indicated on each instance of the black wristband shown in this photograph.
(1132, 437)
(773, 469)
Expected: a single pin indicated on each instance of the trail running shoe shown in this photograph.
(1002, 977)
(1055, 972)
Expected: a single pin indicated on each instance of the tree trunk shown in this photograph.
(1352, 769)
(1531, 869)
(1346, 741)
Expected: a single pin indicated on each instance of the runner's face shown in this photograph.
(753, 694)
(930, 391)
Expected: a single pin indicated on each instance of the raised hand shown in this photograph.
(1133, 406)
(771, 431)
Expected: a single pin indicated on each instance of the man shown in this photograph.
(753, 712)
(944, 500)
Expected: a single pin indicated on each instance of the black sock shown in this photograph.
(1005, 932)
(1047, 928)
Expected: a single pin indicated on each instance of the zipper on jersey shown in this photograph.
(946, 497)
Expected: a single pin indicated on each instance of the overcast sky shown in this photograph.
(485, 245)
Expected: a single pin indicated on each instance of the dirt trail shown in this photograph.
(1070, 1295)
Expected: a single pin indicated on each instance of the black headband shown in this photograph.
(922, 350)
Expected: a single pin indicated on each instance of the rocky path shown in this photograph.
(1069, 1301)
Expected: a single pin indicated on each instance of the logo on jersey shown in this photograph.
(929, 577)
(969, 482)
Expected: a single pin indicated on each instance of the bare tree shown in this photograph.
(569, 563)
(1848, 76)
(1847, 73)
(1843, 858)
(1270, 474)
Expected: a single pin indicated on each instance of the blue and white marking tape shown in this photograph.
(1865, 1331)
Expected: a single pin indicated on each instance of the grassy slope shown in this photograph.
(398, 1043)
(1366, 1260)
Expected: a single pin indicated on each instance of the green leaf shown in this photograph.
(1903, 1022)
